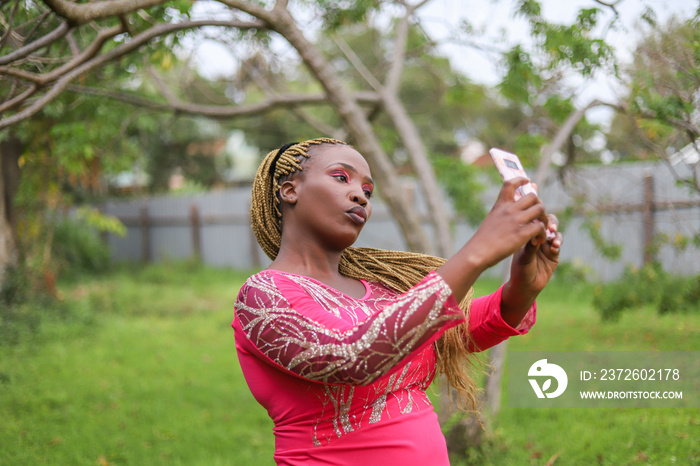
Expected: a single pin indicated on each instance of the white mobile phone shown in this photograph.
(509, 167)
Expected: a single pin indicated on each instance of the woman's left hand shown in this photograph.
(530, 271)
(534, 264)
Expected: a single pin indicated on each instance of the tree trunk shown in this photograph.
(10, 151)
(468, 432)
(424, 170)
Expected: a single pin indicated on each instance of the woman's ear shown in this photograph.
(288, 192)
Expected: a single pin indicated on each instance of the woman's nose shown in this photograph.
(359, 198)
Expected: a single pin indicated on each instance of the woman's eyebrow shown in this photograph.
(352, 169)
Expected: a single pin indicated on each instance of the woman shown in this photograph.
(339, 344)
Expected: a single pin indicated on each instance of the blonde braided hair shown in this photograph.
(396, 269)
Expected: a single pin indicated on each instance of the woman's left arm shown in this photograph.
(530, 271)
(486, 325)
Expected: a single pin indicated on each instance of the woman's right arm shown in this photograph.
(507, 228)
(307, 340)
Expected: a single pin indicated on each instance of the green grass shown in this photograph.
(152, 378)
(139, 367)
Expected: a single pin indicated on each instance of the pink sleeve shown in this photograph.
(309, 341)
(486, 326)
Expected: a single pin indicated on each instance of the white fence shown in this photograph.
(635, 204)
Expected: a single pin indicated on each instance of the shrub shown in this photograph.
(28, 294)
(682, 295)
(78, 249)
(647, 286)
(572, 272)
(15, 316)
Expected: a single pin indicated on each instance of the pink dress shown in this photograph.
(344, 379)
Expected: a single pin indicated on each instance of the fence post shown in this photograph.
(648, 219)
(145, 223)
(195, 225)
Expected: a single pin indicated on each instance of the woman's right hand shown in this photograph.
(508, 226)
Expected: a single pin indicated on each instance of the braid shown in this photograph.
(396, 269)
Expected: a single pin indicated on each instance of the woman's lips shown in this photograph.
(358, 215)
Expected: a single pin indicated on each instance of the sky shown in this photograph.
(499, 30)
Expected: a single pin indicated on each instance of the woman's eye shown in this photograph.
(368, 193)
(340, 176)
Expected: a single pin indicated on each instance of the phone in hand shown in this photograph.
(509, 167)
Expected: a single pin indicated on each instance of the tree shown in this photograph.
(664, 95)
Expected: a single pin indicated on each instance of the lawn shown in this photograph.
(139, 367)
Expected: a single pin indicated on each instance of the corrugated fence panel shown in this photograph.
(216, 225)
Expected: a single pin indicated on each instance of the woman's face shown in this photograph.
(330, 197)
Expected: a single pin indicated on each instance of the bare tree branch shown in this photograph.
(7, 23)
(561, 137)
(126, 97)
(410, 137)
(38, 23)
(81, 13)
(408, 132)
(73, 44)
(357, 63)
(393, 76)
(37, 105)
(217, 111)
(119, 51)
(17, 100)
(278, 19)
(126, 25)
(91, 51)
(611, 5)
(53, 36)
(281, 4)
(321, 126)
(21, 74)
(259, 12)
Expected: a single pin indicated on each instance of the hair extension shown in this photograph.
(397, 269)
